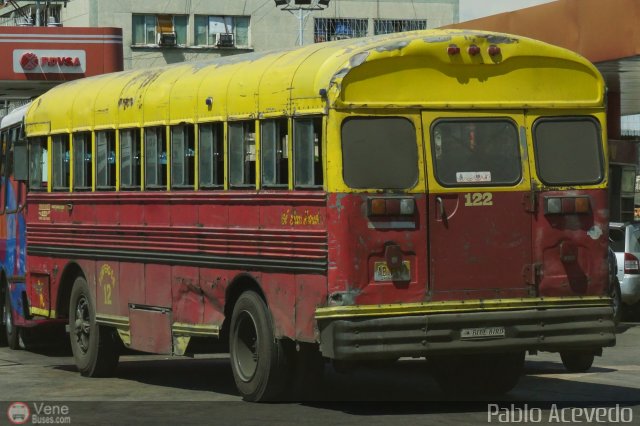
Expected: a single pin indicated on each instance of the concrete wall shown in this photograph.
(270, 28)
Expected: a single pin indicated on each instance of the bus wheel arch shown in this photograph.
(71, 271)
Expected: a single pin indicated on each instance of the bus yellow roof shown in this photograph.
(413, 69)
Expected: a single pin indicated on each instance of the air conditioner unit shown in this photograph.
(224, 40)
(167, 39)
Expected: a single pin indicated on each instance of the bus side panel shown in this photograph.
(280, 292)
(311, 292)
(571, 249)
(186, 290)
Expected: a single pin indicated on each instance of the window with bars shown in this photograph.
(221, 31)
(387, 26)
(329, 29)
(162, 30)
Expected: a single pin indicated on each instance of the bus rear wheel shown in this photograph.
(577, 361)
(258, 359)
(95, 348)
(11, 333)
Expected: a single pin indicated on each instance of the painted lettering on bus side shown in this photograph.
(107, 280)
(293, 218)
(44, 212)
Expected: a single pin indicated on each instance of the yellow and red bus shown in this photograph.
(438, 194)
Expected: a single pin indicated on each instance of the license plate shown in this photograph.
(382, 272)
(482, 333)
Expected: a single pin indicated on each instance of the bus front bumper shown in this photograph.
(391, 331)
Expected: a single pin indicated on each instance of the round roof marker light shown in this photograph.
(493, 50)
(473, 50)
(453, 49)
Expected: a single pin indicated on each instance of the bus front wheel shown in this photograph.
(94, 347)
(258, 359)
(11, 332)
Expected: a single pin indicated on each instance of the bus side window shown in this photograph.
(211, 155)
(130, 159)
(38, 173)
(82, 178)
(155, 158)
(242, 154)
(105, 160)
(60, 162)
(274, 153)
(307, 152)
(182, 157)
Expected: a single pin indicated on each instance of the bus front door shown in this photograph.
(479, 214)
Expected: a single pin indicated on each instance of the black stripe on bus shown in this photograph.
(248, 263)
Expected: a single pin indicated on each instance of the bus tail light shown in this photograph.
(567, 205)
(391, 206)
(631, 264)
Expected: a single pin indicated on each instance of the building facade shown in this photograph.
(157, 33)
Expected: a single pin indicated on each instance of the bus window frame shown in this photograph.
(86, 140)
(136, 169)
(475, 119)
(249, 181)
(565, 118)
(280, 124)
(217, 157)
(188, 133)
(111, 143)
(41, 141)
(56, 139)
(161, 173)
(321, 154)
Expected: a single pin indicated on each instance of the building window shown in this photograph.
(105, 160)
(182, 157)
(60, 162)
(155, 158)
(387, 26)
(221, 31)
(82, 178)
(242, 154)
(211, 155)
(328, 29)
(162, 30)
(307, 152)
(130, 159)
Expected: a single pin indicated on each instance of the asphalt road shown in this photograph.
(160, 390)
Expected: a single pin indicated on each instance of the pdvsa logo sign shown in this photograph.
(18, 413)
(49, 61)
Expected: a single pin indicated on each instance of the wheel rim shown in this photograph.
(246, 344)
(82, 326)
(615, 301)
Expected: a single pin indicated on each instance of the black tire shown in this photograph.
(95, 348)
(577, 361)
(258, 359)
(616, 300)
(477, 375)
(11, 333)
